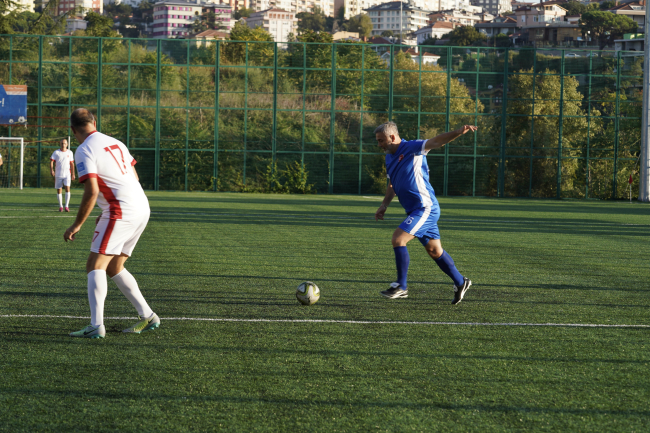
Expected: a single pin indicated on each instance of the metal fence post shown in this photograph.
(99, 83)
(504, 111)
(390, 82)
(617, 122)
(39, 110)
(246, 46)
(215, 158)
(363, 69)
(560, 127)
(274, 134)
(587, 162)
(445, 166)
(187, 114)
(332, 119)
(157, 133)
(128, 98)
(532, 130)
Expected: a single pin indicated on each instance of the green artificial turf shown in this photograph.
(241, 256)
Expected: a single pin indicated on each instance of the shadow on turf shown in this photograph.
(516, 225)
(129, 396)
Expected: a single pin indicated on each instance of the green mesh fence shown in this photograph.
(299, 117)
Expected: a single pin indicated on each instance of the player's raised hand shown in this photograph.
(70, 233)
(379, 215)
(467, 128)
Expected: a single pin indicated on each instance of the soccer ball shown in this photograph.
(308, 293)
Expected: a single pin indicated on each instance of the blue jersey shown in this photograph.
(408, 172)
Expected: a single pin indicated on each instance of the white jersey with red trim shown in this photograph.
(110, 162)
(62, 160)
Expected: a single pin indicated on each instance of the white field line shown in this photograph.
(331, 217)
(353, 322)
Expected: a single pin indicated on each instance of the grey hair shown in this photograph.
(388, 129)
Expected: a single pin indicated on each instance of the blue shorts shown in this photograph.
(423, 224)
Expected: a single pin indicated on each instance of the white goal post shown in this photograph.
(7, 146)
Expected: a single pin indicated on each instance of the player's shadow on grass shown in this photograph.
(82, 294)
(518, 225)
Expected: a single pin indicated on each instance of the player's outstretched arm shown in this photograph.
(91, 191)
(390, 195)
(442, 139)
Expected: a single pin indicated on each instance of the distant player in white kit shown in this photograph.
(62, 170)
(106, 168)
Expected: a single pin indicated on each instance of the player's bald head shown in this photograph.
(81, 118)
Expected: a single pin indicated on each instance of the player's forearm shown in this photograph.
(86, 207)
(390, 195)
(440, 140)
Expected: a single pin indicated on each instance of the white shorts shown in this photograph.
(59, 182)
(115, 237)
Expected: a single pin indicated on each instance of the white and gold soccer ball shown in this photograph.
(308, 293)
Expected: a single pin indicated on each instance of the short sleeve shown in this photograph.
(415, 147)
(71, 156)
(129, 158)
(86, 167)
(52, 157)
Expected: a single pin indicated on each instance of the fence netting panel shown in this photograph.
(300, 117)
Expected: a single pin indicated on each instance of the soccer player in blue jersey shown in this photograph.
(408, 172)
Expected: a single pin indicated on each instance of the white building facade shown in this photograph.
(278, 22)
(400, 18)
(294, 6)
(494, 7)
(174, 19)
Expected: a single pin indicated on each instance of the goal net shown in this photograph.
(12, 151)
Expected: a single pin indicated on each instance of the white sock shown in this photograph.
(97, 289)
(60, 197)
(129, 288)
(67, 199)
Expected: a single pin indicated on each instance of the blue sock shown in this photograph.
(402, 260)
(446, 264)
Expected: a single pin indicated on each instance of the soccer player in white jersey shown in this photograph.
(408, 172)
(106, 168)
(62, 170)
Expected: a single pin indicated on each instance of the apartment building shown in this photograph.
(81, 6)
(294, 6)
(398, 17)
(278, 22)
(174, 18)
(465, 18)
(546, 22)
(494, 7)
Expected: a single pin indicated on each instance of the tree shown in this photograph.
(316, 21)
(543, 132)
(465, 35)
(387, 33)
(99, 25)
(235, 51)
(575, 8)
(606, 26)
(207, 21)
(502, 40)
(607, 5)
(15, 18)
(430, 40)
(243, 12)
(361, 24)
